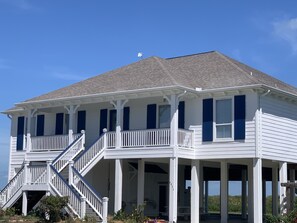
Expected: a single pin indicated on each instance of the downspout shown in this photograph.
(259, 125)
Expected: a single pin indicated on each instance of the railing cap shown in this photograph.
(83, 131)
(105, 130)
(49, 162)
(105, 199)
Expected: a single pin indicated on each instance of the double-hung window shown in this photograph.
(223, 119)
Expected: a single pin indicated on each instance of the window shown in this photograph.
(164, 116)
(224, 118)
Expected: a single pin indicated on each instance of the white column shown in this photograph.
(174, 120)
(292, 189)
(250, 194)
(283, 178)
(70, 172)
(25, 203)
(224, 192)
(71, 111)
(173, 187)
(29, 120)
(118, 185)
(48, 170)
(105, 209)
(118, 123)
(257, 188)
(275, 191)
(83, 207)
(195, 198)
(26, 171)
(140, 182)
(243, 193)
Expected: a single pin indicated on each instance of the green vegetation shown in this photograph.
(136, 216)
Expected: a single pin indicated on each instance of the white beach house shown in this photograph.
(145, 131)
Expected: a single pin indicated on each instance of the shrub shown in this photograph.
(52, 206)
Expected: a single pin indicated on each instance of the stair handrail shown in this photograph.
(94, 150)
(11, 184)
(74, 202)
(67, 151)
(93, 198)
(63, 154)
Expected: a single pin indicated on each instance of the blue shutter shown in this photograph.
(126, 118)
(59, 123)
(151, 116)
(103, 120)
(207, 127)
(40, 125)
(181, 115)
(20, 133)
(81, 121)
(239, 117)
(112, 120)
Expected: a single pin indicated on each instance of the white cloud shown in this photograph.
(286, 30)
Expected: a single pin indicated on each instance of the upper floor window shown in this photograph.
(164, 116)
(224, 119)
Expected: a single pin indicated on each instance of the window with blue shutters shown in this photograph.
(224, 119)
(40, 125)
(59, 123)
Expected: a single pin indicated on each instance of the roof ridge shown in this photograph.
(158, 59)
(189, 55)
(237, 67)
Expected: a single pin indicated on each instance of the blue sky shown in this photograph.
(47, 44)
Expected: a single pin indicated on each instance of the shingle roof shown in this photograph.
(208, 70)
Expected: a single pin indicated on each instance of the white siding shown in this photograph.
(279, 129)
(230, 149)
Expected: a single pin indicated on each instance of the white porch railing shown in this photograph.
(44, 143)
(111, 139)
(55, 142)
(185, 138)
(37, 174)
(150, 137)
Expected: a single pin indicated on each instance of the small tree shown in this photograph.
(52, 206)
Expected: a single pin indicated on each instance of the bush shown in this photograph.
(136, 216)
(51, 207)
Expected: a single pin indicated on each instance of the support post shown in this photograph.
(174, 120)
(71, 111)
(83, 208)
(118, 185)
(26, 171)
(29, 120)
(173, 187)
(140, 182)
(195, 192)
(25, 203)
(250, 194)
(48, 170)
(201, 187)
(243, 193)
(224, 192)
(257, 188)
(70, 172)
(105, 209)
(283, 178)
(275, 201)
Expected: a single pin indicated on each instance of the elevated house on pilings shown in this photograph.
(144, 132)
